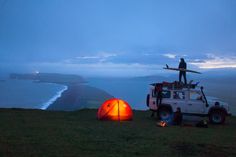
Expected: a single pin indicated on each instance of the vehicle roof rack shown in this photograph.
(176, 85)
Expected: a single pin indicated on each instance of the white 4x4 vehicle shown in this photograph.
(191, 101)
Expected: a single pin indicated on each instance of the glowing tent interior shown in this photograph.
(115, 109)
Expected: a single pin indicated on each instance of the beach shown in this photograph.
(79, 96)
(54, 98)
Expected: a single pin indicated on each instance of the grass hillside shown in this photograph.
(38, 133)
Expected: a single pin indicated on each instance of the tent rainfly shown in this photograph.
(115, 109)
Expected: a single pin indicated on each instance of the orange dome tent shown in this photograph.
(115, 109)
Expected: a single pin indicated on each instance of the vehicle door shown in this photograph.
(179, 100)
(195, 102)
(166, 96)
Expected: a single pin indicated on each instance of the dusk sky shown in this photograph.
(116, 37)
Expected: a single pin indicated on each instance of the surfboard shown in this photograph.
(181, 69)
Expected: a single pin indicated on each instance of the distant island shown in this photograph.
(79, 95)
(65, 79)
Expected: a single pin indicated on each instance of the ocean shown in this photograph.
(134, 91)
(28, 94)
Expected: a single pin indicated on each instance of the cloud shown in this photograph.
(197, 61)
(170, 55)
(147, 54)
(215, 62)
(88, 57)
(101, 56)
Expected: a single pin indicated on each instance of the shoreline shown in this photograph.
(79, 96)
(76, 94)
(54, 98)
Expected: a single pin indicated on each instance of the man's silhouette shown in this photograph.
(182, 65)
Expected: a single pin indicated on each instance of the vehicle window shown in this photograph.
(153, 93)
(166, 94)
(179, 95)
(195, 95)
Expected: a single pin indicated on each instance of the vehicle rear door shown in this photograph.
(195, 103)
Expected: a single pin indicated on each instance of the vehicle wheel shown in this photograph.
(164, 113)
(147, 100)
(217, 117)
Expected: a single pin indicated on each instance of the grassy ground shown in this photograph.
(26, 133)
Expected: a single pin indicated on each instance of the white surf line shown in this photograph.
(53, 99)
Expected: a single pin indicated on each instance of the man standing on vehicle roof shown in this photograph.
(182, 65)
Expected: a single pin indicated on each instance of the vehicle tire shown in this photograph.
(147, 100)
(217, 117)
(164, 113)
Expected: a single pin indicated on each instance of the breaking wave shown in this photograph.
(53, 99)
